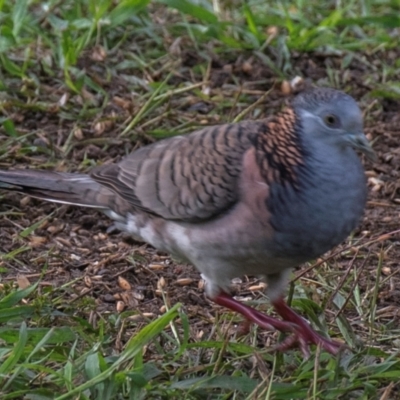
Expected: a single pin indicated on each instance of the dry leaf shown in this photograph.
(53, 229)
(23, 281)
(124, 284)
(156, 266)
(98, 53)
(161, 283)
(184, 281)
(88, 281)
(286, 89)
(261, 286)
(120, 306)
(37, 240)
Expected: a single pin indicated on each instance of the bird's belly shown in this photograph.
(232, 246)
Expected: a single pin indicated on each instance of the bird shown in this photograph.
(257, 197)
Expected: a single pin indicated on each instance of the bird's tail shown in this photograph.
(59, 187)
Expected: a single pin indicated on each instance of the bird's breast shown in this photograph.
(323, 212)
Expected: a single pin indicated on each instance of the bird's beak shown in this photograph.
(360, 142)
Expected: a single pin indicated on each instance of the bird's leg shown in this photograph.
(252, 315)
(265, 321)
(304, 332)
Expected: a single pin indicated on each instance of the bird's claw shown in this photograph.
(300, 339)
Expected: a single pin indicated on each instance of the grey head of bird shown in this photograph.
(332, 117)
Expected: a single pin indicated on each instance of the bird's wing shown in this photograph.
(192, 178)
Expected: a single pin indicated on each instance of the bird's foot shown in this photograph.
(302, 333)
(302, 340)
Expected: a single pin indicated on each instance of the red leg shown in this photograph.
(252, 315)
(304, 330)
(262, 320)
(302, 335)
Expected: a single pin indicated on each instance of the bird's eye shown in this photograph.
(331, 120)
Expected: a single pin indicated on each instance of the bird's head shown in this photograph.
(332, 116)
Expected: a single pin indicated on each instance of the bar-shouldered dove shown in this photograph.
(255, 198)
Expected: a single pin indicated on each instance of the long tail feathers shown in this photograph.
(59, 187)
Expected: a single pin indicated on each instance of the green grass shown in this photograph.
(106, 75)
